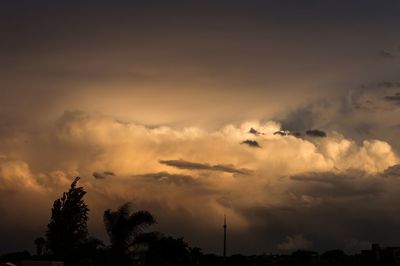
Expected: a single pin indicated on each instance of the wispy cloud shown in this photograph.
(102, 175)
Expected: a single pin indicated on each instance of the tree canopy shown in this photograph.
(67, 228)
(126, 230)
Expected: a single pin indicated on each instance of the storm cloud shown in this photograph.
(330, 170)
(91, 90)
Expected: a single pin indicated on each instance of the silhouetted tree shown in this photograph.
(169, 251)
(15, 256)
(40, 244)
(195, 255)
(89, 252)
(67, 229)
(126, 230)
(302, 257)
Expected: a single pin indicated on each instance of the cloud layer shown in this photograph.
(275, 194)
(166, 122)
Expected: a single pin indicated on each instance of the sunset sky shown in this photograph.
(284, 115)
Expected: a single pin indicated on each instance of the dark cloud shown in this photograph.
(251, 143)
(318, 114)
(387, 55)
(287, 133)
(181, 164)
(295, 134)
(344, 206)
(393, 98)
(109, 173)
(281, 133)
(389, 84)
(348, 184)
(392, 171)
(314, 177)
(373, 97)
(296, 242)
(114, 59)
(316, 133)
(255, 132)
(102, 175)
(165, 177)
(231, 169)
(328, 224)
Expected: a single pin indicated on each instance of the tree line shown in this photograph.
(67, 238)
(131, 243)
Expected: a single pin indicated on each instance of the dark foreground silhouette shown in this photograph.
(67, 242)
(168, 251)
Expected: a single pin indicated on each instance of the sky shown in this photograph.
(283, 115)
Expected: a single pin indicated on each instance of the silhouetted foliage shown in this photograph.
(40, 244)
(303, 257)
(334, 257)
(89, 252)
(67, 229)
(169, 251)
(15, 256)
(67, 240)
(126, 232)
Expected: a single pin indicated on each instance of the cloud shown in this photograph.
(181, 164)
(42, 156)
(255, 132)
(387, 55)
(109, 173)
(166, 177)
(296, 242)
(316, 133)
(374, 97)
(16, 174)
(282, 133)
(287, 133)
(301, 179)
(355, 113)
(251, 143)
(392, 171)
(389, 84)
(356, 244)
(393, 98)
(295, 134)
(231, 169)
(102, 175)
(345, 184)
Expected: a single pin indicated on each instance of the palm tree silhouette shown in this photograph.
(125, 230)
